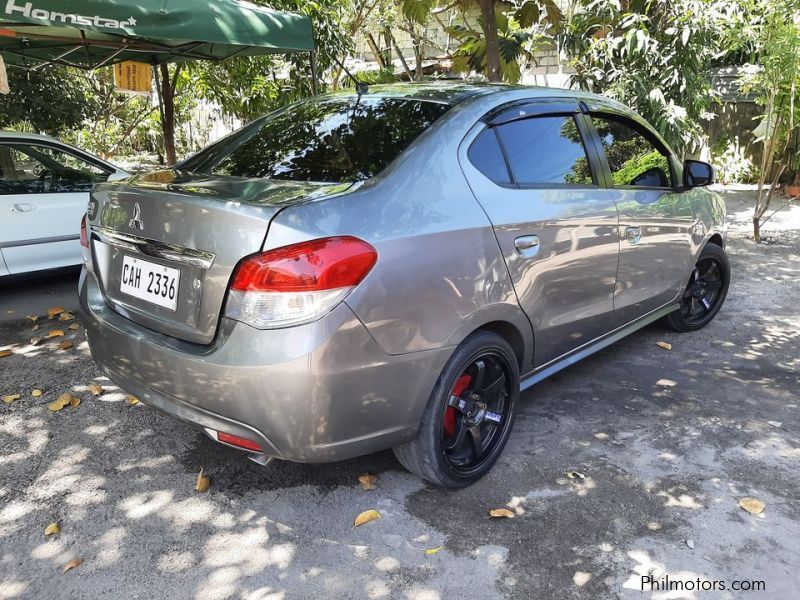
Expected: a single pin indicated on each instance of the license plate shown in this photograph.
(150, 282)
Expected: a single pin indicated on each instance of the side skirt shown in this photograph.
(579, 354)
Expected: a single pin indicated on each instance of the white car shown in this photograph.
(44, 190)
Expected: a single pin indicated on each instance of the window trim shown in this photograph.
(88, 158)
(554, 110)
(658, 144)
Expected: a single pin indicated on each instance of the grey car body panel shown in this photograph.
(358, 378)
(315, 392)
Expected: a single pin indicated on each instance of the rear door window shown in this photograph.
(339, 139)
(546, 150)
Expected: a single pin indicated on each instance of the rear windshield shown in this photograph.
(338, 139)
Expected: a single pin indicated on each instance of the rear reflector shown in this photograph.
(298, 283)
(239, 442)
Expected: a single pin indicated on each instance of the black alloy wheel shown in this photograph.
(705, 292)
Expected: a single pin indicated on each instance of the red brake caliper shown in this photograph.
(450, 414)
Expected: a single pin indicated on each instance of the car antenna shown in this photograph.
(361, 87)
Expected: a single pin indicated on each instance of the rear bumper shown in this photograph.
(319, 392)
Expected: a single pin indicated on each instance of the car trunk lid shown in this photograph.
(164, 245)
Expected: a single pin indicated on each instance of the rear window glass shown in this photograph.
(546, 150)
(332, 139)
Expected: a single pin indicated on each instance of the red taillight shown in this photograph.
(84, 233)
(316, 265)
(239, 442)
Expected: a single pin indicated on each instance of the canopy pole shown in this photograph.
(313, 58)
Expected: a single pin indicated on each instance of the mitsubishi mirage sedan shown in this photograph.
(389, 269)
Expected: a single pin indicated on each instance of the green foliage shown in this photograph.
(470, 56)
(50, 100)
(775, 82)
(638, 164)
(247, 87)
(654, 56)
(373, 77)
(731, 163)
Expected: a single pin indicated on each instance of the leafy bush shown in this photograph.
(732, 165)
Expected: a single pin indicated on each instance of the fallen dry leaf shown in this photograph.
(11, 397)
(74, 401)
(35, 341)
(433, 551)
(366, 517)
(96, 389)
(132, 400)
(4, 353)
(367, 481)
(33, 318)
(752, 505)
(54, 312)
(61, 402)
(52, 529)
(75, 562)
(203, 482)
(66, 316)
(74, 326)
(576, 475)
(503, 513)
(36, 393)
(664, 345)
(35, 327)
(65, 345)
(56, 333)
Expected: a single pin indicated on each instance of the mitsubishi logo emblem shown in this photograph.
(136, 221)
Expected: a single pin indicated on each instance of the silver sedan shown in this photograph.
(390, 268)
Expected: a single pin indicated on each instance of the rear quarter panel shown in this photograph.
(440, 273)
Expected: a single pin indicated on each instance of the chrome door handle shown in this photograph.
(527, 245)
(633, 234)
(22, 207)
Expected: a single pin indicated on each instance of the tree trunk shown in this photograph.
(376, 51)
(489, 26)
(400, 56)
(757, 230)
(168, 115)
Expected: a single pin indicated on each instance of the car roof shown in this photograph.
(20, 135)
(456, 92)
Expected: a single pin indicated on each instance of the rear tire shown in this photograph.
(469, 415)
(705, 293)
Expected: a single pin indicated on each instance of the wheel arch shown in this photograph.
(717, 239)
(511, 334)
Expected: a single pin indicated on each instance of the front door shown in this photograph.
(655, 218)
(43, 194)
(530, 170)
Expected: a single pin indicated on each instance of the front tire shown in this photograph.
(705, 293)
(469, 415)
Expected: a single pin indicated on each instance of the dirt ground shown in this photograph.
(668, 443)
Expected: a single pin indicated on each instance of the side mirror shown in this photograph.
(697, 173)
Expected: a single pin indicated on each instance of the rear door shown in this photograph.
(656, 217)
(43, 194)
(529, 167)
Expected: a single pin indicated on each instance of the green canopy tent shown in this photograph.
(94, 33)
